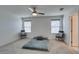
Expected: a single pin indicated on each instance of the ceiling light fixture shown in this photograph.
(34, 14)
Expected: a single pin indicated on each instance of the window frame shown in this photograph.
(55, 26)
(30, 26)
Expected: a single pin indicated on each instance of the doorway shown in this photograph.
(74, 30)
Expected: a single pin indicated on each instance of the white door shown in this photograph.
(74, 31)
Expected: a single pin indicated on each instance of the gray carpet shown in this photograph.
(35, 44)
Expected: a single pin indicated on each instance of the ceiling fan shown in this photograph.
(35, 12)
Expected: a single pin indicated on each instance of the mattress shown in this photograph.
(35, 44)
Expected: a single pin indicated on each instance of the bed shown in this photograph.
(37, 44)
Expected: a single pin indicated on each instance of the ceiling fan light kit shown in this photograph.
(34, 14)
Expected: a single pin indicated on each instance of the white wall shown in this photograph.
(66, 28)
(41, 26)
(10, 26)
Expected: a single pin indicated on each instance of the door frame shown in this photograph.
(71, 31)
(70, 20)
(70, 44)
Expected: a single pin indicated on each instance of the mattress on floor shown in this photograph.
(37, 45)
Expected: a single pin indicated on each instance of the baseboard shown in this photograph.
(9, 43)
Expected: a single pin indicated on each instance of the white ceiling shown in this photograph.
(49, 10)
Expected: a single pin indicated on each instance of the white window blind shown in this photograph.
(55, 24)
(27, 26)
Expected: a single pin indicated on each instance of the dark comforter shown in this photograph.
(37, 45)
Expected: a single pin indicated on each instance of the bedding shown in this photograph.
(37, 45)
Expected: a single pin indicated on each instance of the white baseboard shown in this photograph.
(8, 43)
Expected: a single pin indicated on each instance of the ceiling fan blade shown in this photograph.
(30, 9)
(35, 11)
(42, 13)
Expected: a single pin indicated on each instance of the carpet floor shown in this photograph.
(55, 47)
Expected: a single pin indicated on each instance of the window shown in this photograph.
(55, 24)
(27, 26)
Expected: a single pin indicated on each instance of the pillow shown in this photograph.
(38, 38)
